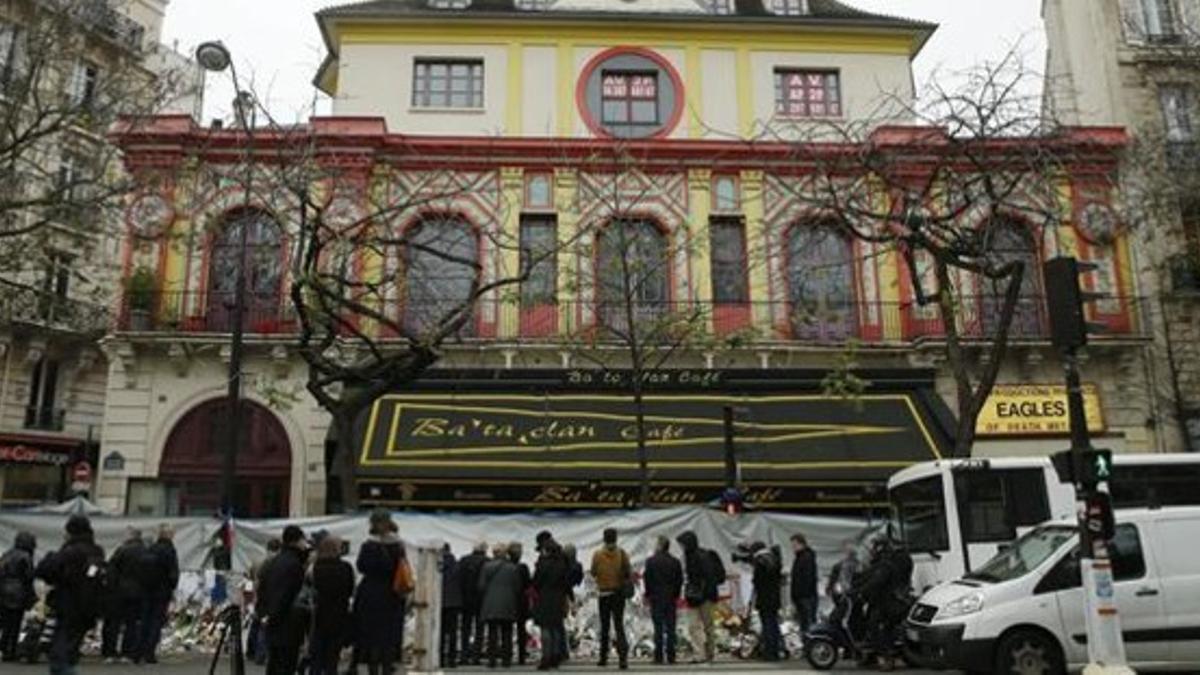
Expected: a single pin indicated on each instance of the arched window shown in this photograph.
(441, 256)
(260, 256)
(1007, 240)
(631, 274)
(820, 281)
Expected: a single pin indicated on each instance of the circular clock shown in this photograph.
(150, 215)
(1098, 223)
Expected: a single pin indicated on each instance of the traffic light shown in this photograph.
(1065, 298)
(1096, 466)
(1098, 516)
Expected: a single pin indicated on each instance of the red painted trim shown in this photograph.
(597, 129)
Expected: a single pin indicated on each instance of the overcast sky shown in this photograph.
(277, 45)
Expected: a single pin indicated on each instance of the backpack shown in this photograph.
(715, 568)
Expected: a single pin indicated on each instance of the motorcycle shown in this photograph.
(844, 634)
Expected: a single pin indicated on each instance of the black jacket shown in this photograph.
(468, 578)
(551, 579)
(768, 577)
(16, 578)
(804, 575)
(664, 579)
(703, 567)
(76, 571)
(127, 571)
(333, 583)
(452, 591)
(282, 580)
(162, 571)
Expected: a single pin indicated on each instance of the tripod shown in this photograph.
(230, 619)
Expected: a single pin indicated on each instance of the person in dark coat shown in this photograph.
(551, 582)
(452, 603)
(704, 574)
(521, 632)
(16, 592)
(768, 578)
(664, 583)
(76, 572)
(126, 597)
(160, 578)
(333, 585)
(501, 587)
(803, 585)
(378, 608)
(282, 582)
(472, 627)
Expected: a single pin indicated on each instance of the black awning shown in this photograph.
(549, 442)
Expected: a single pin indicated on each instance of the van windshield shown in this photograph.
(1025, 555)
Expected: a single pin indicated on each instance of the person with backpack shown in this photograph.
(77, 574)
(16, 592)
(704, 573)
(614, 584)
(664, 583)
(379, 600)
(285, 615)
(160, 578)
(125, 597)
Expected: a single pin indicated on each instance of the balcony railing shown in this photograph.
(30, 306)
(110, 24)
(822, 322)
(45, 419)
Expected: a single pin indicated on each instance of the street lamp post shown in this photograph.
(215, 57)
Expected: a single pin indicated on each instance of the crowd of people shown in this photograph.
(309, 610)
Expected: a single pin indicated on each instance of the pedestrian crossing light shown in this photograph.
(1096, 467)
(1065, 299)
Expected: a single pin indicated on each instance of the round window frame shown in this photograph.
(596, 126)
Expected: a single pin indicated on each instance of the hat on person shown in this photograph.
(292, 534)
(610, 536)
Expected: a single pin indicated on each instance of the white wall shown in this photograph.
(377, 79)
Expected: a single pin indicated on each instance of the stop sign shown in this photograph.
(82, 473)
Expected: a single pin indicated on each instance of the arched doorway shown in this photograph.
(191, 464)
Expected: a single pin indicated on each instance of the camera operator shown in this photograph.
(768, 577)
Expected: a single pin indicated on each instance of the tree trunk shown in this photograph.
(643, 455)
(343, 423)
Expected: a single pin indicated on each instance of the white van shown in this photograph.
(1022, 611)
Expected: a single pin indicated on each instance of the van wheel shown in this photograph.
(1027, 652)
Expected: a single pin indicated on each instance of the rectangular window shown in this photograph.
(725, 194)
(9, 52)
(920, 508)
(1160, 17)
(790, 7)
(84, 80)
(629, 98)
(539, 194)
(808, 93)
(453, 83)
(56, 280)
(992, 504)
(720, 6)
(41, 413)
(729, 283)
(1177, 112)
(539, 241)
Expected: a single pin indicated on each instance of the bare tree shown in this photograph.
(968, 197)
(68, 70)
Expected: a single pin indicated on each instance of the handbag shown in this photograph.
(403, 581)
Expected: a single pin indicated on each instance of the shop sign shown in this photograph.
(20, 453)
(1035, 410)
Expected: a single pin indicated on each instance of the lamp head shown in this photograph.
(213, 56)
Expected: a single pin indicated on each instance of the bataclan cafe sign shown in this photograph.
(571, 442)
(1035, 410)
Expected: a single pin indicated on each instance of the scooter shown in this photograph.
(844, 633)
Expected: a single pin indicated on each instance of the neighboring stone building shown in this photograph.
(1133, 63)
(59, 280)
(522, 101)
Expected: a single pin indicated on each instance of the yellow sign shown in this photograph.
(1035, 410)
